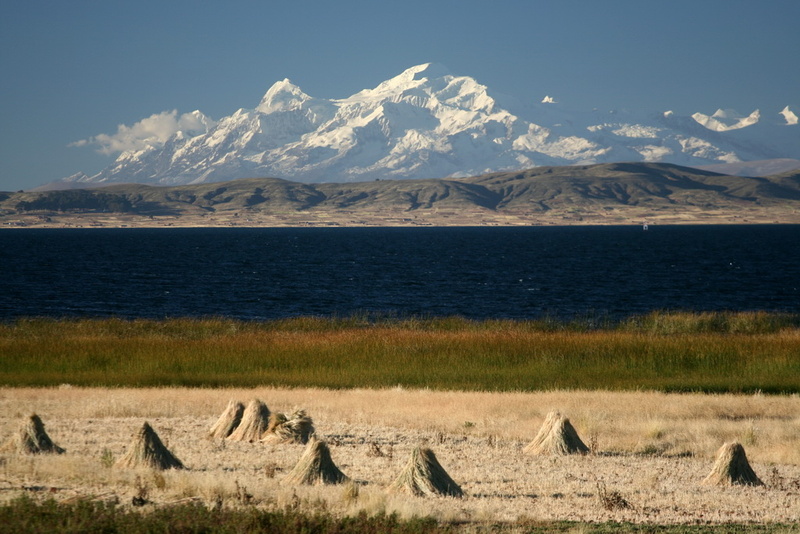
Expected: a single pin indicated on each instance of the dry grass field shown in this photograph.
(651, 450)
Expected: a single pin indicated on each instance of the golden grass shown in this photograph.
(473, 392)
(652, 449)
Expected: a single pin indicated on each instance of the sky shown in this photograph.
(75, 71)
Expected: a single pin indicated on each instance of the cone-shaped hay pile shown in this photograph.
(148, 451)
(557, 436)
(295, 428)
(255, 420)
(315, 466)
(423, 475)
(32, 439)
(228, 421)
(732, 468)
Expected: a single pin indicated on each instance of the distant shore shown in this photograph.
(418, 218)
(601, 194)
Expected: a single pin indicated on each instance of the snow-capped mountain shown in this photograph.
(428, 123)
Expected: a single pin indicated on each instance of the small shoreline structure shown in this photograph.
(731, 468)
(294, 428)
(556, 436)
(423, 475)
(316, 467)
(228, 421)
(31, 438)
(147, 450)
(254, 421)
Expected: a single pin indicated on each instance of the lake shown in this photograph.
(480, 272)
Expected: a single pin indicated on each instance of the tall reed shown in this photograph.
(660, 351)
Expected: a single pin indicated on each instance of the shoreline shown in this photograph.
(313, 219)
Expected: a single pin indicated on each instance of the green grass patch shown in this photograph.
(660, 351)
(33, 517)
(29, 516)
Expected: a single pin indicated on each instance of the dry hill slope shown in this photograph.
(615, 193)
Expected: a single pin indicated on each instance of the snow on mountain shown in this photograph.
(724, 120)
(789, 115)
(427, 123)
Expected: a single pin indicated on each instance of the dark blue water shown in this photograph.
(565, 272)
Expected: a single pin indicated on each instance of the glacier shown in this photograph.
(428, 123)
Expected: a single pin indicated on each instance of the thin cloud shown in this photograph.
(153, 131)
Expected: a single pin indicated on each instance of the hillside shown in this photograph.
(613, 193)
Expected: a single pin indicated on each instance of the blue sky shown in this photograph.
(70, 70)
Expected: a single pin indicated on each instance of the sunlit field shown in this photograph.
(653, 449)
(653, 398)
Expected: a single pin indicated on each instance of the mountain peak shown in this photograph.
(408, 79)
(282, 96)
(724, 120)
(423, 122)
(196, 123)
(425, 70)
(789, 115)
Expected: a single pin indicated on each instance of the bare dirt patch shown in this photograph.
(650, 451)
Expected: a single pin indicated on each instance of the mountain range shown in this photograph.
(429, 123)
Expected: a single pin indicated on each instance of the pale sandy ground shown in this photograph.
(432, 217)
(653, 449)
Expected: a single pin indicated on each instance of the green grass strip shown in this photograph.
(27, 515)
(660, 351)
